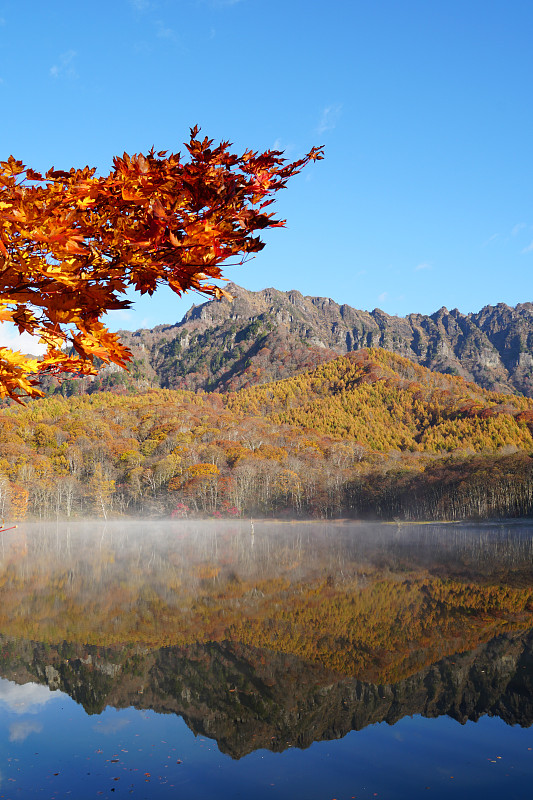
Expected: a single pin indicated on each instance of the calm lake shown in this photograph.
(273, 660)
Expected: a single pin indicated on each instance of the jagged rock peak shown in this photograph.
(271, 334)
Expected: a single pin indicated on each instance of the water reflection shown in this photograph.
(294, 634)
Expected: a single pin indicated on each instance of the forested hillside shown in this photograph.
(369, 434)
(385, 402)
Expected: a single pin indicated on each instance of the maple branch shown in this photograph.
(72, 242)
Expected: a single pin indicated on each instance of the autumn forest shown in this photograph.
(367, 435)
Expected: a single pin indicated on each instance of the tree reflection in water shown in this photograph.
(295, 634)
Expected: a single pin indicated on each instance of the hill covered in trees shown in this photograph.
(385, 402)
(269, 335)
(368, 434)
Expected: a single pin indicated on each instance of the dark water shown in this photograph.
(311, 661)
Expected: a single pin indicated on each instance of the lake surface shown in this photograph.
(288, 660)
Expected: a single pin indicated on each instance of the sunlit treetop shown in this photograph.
(72, 243)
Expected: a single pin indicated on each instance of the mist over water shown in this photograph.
(251, 548)
(202, 538)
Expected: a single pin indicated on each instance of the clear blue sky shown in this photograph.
(425, 197)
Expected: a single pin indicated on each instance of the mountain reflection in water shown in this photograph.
(291, 635)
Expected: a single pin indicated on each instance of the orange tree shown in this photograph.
(72, 243)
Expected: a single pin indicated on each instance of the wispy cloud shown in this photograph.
(423, 265)
(140, 5)
(286, 149)
(142, 48)
(162, 31)
(515, 231)
(329, 119)
(65, 66)
(528, 249)
(10, 337)
(383, 296)
(491, 239)
(222, 3)
(18, 731)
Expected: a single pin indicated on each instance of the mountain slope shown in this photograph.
(268, 335)
(385, 402)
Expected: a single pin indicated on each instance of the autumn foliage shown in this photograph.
(366, 435)
(72, 243)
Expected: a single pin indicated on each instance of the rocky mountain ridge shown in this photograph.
(270, 334)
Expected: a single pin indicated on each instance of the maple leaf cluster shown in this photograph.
(72, 244)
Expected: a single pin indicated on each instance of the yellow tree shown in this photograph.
(72, 243)
(100, 491)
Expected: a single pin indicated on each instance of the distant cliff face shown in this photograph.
(268, 335)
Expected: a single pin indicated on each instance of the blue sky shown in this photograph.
(425, 197)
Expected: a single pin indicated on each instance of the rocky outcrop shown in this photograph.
(268, 335)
